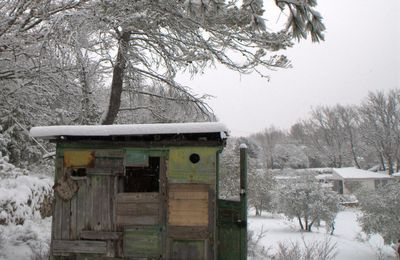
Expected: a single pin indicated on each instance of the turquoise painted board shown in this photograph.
(136, 158)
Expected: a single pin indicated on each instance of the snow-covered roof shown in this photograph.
(52, 132)
(323, 176)
(397, 174)
(354, 173)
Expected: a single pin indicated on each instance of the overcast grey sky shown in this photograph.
(361, 53)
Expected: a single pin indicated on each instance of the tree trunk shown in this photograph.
(382, 161)
(83, 78)
(390, 166)
(353, 150)
(117, 81)
(301, 224)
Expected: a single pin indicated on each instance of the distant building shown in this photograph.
(347, 180)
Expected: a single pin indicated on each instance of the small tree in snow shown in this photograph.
(260, 186)
(381, 212)
(303, 198)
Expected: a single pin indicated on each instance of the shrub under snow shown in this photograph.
(22, 196)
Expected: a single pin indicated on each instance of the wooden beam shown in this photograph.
(100, 235)
(79, 246)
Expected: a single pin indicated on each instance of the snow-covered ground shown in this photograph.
(31, 239)
(351, 242)
(28, 241)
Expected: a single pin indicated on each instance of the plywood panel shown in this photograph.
(187, 208)
(182, 170)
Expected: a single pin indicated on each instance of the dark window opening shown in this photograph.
(194, 158)
(143, 179)
(79, 172)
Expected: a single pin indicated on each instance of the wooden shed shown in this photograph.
(145, 191)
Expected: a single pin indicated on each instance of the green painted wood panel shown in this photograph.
(136, 158)
(229, 230)
(182, 170)
(142, 242)
(188, 249)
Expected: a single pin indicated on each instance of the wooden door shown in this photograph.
(230, 235)
(140, 207)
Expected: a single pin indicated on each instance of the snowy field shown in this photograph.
(351, 242)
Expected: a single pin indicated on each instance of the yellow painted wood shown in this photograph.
(79, 158)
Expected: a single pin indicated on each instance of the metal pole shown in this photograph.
(243, 201)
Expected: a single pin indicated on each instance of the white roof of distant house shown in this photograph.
(354, 173)
(52, 132)
(323, 176)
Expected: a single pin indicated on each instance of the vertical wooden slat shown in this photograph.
(81, 206)
(66, 220)
(73, 218)
(113, 204)
(210, 245)
(105, 187)
(163, 205)
(89, 204)
(96, 203)
(57, 218)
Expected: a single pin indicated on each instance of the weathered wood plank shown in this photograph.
(109, 153)
(79, 246)
(163, 206)
(100, 235)
(109, 163)
(137, 197)
(137, 209)
(105, 172)
(188, 195)
(73, 218)
(142, 242)
(57, 217)
(188, 205)
(89, 204)
(193, 233)
(190, 249)
(113, 203)
(190, 187)
(66, 219)
(81, 206)
(96, 200)
(105, 203)
(210, 242)
(137, 220)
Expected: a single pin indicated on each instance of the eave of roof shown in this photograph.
(55, 132)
